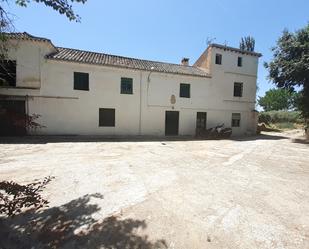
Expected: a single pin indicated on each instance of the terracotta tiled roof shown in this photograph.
(25, 36)
(79, 56)
(87, 57)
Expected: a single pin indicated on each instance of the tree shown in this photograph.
(247, 43)
(277, 99)
(64, 7)
(289, 67)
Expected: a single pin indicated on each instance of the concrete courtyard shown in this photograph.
(241, 193)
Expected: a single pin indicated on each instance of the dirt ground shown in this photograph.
(241, 193)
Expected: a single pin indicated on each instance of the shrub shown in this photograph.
(284, 125)
(264, 117)
(280, 117)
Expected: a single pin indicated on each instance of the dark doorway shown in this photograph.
(171, 123)
(12, 117)
(201, 118)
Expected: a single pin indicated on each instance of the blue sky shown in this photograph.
(166, 30)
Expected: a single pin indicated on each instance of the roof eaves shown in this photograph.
(27, 36)
(122, 57)
(235, 49)
(206, 75)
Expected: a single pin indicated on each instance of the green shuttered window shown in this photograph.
(238, 89)
(218, 59)
(184, 90)
(107, 117)
(81, 81)
(239, 62)
(126, 86)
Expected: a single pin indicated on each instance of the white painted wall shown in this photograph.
(29, 56)
(224, 76)
(143, 113)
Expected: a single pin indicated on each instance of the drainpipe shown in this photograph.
(140, 105)
(148, 82)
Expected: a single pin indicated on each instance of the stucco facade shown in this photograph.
(47, 87)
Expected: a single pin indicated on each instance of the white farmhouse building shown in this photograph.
(86, 93)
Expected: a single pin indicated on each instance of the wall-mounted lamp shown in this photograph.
(152, 68)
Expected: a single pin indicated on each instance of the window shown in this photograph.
(126, 86)
(239, 62)
(107, 117)
(219, 59)
(184, 90)
(235, 119)
(238, 88)
(8, 73)
(81, 81)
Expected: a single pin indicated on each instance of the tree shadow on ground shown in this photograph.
(301, 141)
(72, 226)
(263, 136)
(90, 139)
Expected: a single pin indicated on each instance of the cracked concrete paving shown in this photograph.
(246, 193)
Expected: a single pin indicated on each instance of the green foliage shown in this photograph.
(289, 67)
(62, 6)
(247, 43)
(278, 99)
(284, 125)
(280, 117)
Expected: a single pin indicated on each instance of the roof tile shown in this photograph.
(87, 57)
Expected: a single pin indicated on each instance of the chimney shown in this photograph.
(185, 61)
